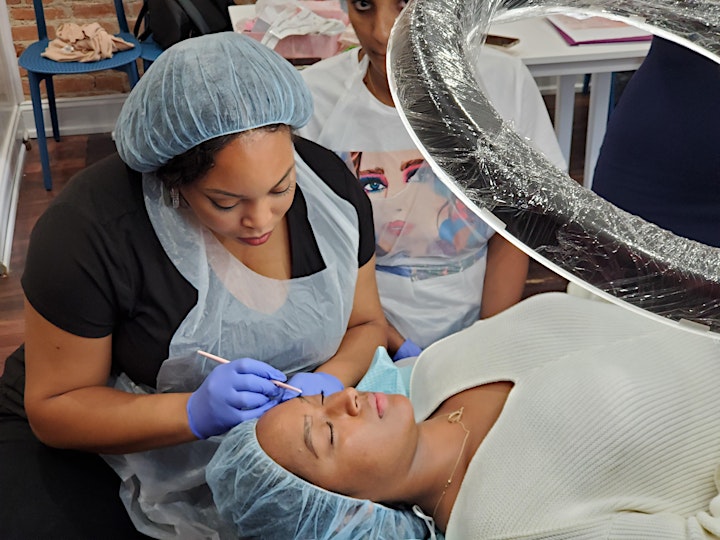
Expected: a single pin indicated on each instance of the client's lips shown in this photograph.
(380, 404)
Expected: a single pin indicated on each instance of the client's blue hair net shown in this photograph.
(264, 500)
(206, 87)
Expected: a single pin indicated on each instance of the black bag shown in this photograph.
(170, 21)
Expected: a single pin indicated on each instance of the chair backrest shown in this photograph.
(42, 27)
(40, 19)
(122, 20)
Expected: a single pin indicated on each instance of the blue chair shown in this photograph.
(42, 69)
(149, 52)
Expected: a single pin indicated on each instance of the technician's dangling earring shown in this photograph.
(175, 198)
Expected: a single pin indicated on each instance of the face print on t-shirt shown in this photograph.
(416, 217)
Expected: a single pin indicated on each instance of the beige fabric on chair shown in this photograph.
(87, 43)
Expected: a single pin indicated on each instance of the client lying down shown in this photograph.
(558, 418)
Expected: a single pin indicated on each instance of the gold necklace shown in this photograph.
(453, 418)
(369, 84)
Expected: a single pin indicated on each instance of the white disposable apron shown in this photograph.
(295, 325)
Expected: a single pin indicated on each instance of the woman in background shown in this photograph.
(439, 267)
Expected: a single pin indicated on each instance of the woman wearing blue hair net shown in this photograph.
(589, 426)
(213, 229)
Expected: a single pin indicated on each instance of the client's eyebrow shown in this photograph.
(306, 437)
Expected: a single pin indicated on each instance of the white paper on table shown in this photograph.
(279, 19)
(595, 29)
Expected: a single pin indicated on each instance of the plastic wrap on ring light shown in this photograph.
(537, 206)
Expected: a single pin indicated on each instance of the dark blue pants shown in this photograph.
(661, 157)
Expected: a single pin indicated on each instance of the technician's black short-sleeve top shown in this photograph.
(95, 266)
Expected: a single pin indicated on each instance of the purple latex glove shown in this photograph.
(233, 393)
(406, 350)
(312, 384)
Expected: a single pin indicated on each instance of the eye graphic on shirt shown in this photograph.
(373, 180)
(385, 174)
(410, 168)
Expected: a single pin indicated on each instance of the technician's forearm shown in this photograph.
(102, 419)
(356, 352)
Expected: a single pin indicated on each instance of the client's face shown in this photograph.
(354, 443)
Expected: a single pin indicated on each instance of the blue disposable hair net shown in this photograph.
(203, 88)
(266, 501)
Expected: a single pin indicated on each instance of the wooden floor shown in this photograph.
(73, 153)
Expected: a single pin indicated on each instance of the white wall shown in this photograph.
(76, 115)
(12, 132)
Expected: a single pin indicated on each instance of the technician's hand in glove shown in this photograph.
(407, 350)
(312, 384)
(233, 393)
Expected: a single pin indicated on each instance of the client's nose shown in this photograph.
(346, 401)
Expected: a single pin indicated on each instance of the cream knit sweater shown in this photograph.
(612, 430)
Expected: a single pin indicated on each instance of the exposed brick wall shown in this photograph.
(24, 32)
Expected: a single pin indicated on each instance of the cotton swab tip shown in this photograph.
(287, 386)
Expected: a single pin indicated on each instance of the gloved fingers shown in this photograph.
(250, 400)
(301, 380)
(257, 412)
(256, 367)
(317, 382)
(288, 394)
(407, 350)
(230, 393)
(331, 384)
(246, 382)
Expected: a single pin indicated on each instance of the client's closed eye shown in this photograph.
(328, 422)
(332, 432)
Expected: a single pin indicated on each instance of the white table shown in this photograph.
(546, 54)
